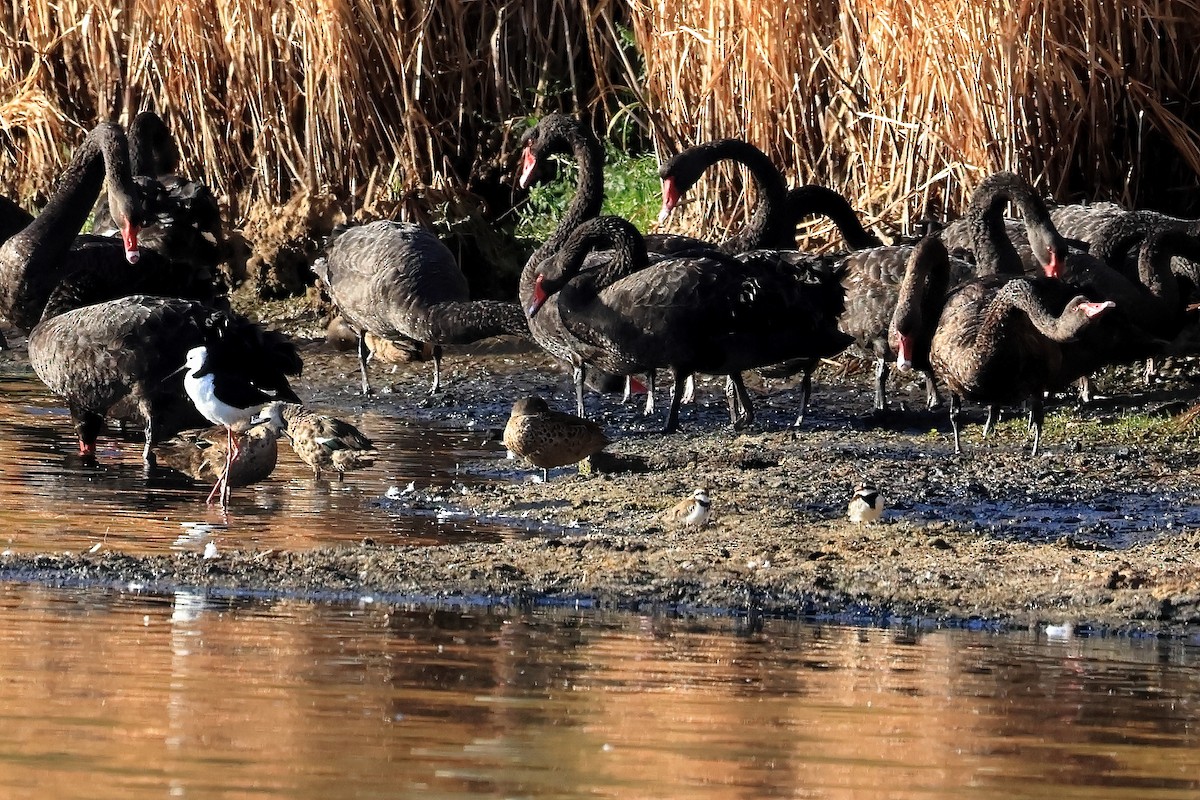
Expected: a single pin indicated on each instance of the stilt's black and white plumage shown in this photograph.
(224, 398)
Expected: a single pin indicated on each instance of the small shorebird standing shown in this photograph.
(548, 438)
(319, 440)
(224, 399)
(692, 512)
(866, 505)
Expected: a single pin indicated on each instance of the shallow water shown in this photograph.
(54, 502)
(118, 695)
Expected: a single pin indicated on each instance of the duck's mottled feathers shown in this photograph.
(319, 440)
(201, 455)
(549, 438)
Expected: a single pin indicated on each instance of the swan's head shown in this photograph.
(553, 133)
(671, 194)
(1050, 250)
(529, 162)
(540, 295)
(128, 212)
(1092, 310)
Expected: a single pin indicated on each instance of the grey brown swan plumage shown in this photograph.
(999, 342)
(398, 281)
(710, 314)
(121, 359)
(874, 275)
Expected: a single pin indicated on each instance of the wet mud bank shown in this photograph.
(1101, 529)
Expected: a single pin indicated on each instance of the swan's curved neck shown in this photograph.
(812, 200)
(33, 261)
(923, 289)
(1019, 295)
(588, 197)
(769, 225)
(994, 251)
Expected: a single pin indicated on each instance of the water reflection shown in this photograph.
(117, 695)
(54, 502)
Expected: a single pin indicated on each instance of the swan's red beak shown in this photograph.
(129, 236)
(904, 353)
(636, 386)
(86, 449)
(1053, 268)
(528, 165)
(671, 197)
(1095, 309)
(539, 296)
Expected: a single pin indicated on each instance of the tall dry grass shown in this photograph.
(393, 107)
(366, 101)
(905, 104)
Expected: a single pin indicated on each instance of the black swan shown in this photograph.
(709, 314)
(115, 360)
(874, 275)
(399, 282)
(183, 218)
(803, 202)
(45, 264)
(36, 259)
(919, 302)
(559, 133)
(998, 342)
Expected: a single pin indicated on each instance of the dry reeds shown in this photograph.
(904, 104)
(365, 101)
(389, 107)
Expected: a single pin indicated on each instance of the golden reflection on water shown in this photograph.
(106, 695)
(50, 501)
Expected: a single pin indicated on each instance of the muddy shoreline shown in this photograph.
(1100, 530)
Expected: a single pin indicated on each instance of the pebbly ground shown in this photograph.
(1101, 529)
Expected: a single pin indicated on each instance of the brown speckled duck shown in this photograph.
(321, 441)
(548, 438)
(200, 454)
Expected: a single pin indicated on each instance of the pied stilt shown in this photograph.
(225, 399)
